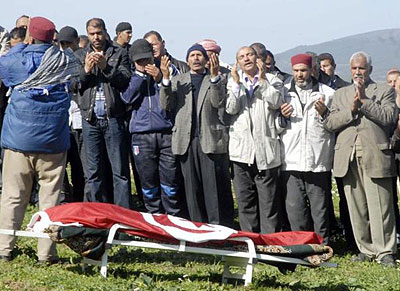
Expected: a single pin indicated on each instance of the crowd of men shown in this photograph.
(188, 128)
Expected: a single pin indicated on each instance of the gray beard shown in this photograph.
(302, 85)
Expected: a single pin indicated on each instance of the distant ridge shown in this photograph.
(382, 45)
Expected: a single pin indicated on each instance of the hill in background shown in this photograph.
(382, 45)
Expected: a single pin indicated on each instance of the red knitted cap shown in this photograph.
(42, 29)
(302, 59)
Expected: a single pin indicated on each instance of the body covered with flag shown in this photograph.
(161, 227)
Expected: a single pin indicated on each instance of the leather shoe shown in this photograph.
(388, 261)
(361, 257)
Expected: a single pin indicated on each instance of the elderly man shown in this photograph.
(364, 116)
(392, 79)
(199, 138)
(35, 133)
(159, 50)
(307, 149)
(105, 73)
(22, 21)
(254, 146)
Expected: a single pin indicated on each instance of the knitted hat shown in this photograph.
(197, 47)
(123, 26)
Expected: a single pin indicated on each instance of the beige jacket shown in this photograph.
(373, 125)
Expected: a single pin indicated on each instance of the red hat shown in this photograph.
(210, 45)
(302, 59)
(42, 29)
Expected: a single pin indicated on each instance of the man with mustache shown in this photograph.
(254, 146)
(364, 116)
(199, 138)
(307, 149)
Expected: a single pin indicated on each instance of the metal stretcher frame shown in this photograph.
(246, 260)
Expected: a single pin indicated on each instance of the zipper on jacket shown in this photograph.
(150, 104)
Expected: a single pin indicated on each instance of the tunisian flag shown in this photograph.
(160, 227)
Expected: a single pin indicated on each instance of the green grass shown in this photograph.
(140, 269)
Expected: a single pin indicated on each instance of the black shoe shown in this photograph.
(361, 257)
(388, 261)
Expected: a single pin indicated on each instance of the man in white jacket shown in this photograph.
(307, 149)
(254, 148)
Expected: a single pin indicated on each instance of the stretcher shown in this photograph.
(245, 257)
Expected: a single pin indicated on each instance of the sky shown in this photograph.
(280, 25)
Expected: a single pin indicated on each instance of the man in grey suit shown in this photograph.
(199, 138)
(364, 116)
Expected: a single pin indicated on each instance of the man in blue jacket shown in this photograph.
(150, 127)
(35, 132)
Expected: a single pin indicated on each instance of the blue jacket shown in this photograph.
(34, 121)
(147, 116)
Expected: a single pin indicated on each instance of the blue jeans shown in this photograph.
(105, 139)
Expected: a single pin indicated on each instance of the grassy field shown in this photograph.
(139, 269)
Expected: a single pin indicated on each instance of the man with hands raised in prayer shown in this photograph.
(254, 146)
(199, 138)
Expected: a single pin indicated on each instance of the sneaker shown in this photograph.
(388, 261)
(361, 257)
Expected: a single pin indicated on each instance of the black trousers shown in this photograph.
(307, 201)
(257, 197)
(207, 185)
(158, 172)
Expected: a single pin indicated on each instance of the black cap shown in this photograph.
(140, 49)
(68, 34)
(123, 26)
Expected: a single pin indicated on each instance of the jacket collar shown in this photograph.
(314, 88)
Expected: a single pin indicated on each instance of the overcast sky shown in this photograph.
(280, 24)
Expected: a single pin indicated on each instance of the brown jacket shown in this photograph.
(373, 125)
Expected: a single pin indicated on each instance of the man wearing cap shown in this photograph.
(150, 127)
(199, 138)
(35, 132)
(364, 116)
(159, 50)
(254, 146)
(307, 149)
(105, 73)
(211, 47)
(124, 35)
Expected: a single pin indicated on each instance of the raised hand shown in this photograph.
(320, 106)
(214, 65)
(100, 60)
(235, 74)
(261, 69)
(286, 110)
(164, 67)
(153, 71)
(89, 62)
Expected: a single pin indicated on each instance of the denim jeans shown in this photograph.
(106, 139)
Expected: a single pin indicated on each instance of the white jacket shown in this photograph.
(4, 41)
(306, 145)
(253, 135)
